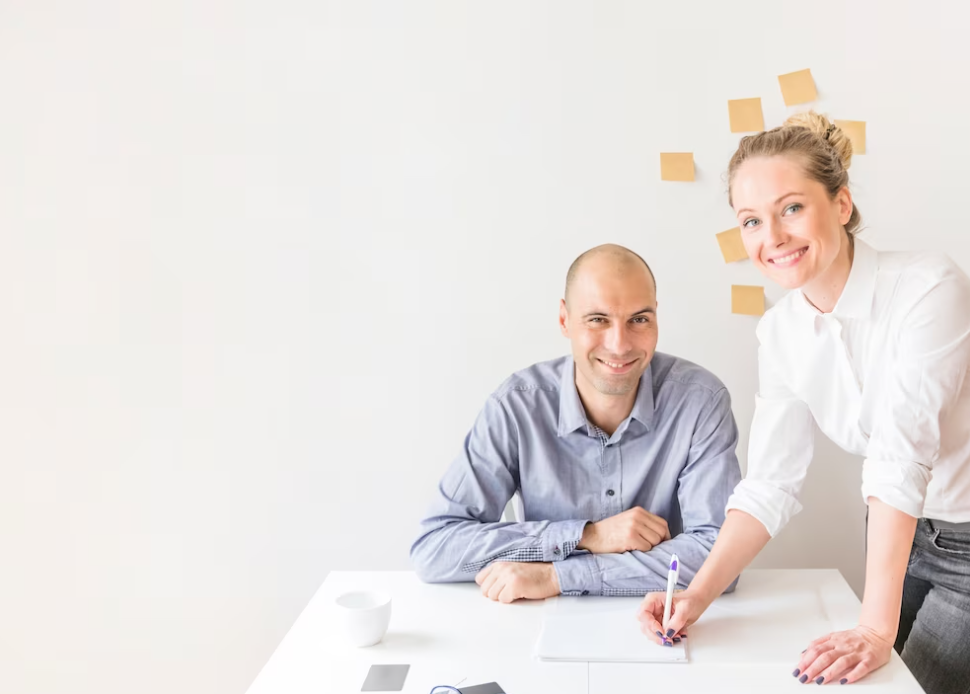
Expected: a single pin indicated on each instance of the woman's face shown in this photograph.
(793, 231)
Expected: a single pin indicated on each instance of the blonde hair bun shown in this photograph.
(826, 130)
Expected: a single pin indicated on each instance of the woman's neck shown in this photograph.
(824, 291)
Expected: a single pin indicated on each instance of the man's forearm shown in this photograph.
(634, 573)
(890, 539)
(453, 551)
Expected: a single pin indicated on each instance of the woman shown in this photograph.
(874, 348)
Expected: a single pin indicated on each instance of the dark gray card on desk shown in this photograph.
(385, 678)
(489, 688)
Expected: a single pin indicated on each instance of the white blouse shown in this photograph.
(884, 375)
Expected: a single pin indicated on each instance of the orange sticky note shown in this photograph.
(746, 115)
(797, 87)
(856, 130)
(748, 301)
(676, 166)
(731, 246)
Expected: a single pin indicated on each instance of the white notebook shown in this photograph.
(599, 630)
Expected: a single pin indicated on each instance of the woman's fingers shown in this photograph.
(856, 673)
(816, 669)
(650, 614)
(838, 670)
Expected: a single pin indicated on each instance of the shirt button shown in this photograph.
(556, 551)
(610, 492)
(585, 592)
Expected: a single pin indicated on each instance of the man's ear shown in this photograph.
(563, 318)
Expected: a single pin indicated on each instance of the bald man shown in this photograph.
(620, 456)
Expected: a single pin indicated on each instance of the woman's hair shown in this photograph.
(823, 150)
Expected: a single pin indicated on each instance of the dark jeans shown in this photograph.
(934, 624)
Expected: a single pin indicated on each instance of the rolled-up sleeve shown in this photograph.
(780, 450)
(922, 382)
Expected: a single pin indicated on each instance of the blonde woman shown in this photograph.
(874, 348)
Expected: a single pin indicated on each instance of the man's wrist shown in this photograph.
(586, 537)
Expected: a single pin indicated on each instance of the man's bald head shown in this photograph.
(620, 257)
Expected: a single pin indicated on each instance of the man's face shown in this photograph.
(611, 321)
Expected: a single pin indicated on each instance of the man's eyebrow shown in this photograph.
(591, 314)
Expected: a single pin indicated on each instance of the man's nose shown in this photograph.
(618, 339)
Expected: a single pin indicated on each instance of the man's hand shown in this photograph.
(509, 581)
(636, 529)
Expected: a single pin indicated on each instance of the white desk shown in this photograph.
(449, 633)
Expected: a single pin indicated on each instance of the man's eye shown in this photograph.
(641, 319)
(595, 320)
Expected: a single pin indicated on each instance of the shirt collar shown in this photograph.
(856, 299)
(860, 288)
(572, 415)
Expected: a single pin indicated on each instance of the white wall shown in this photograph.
(262, 262)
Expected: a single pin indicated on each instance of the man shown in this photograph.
(620, 456)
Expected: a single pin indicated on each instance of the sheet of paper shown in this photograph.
(797, 87)
(856, 130)
(746, 115)
(747, 300)
(676, 166)
(732, 248)
(599, 630)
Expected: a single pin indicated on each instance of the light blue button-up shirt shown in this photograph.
(674, 456)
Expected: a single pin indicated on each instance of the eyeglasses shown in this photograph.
(442, 688)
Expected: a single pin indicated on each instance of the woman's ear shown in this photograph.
(844, 199)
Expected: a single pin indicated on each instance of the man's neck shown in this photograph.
(605, 411)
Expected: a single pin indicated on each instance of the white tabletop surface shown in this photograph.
(748, 641)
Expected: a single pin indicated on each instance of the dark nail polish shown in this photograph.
(676, 639)
(669, 643)
(660, 635)
(803, 679)
(796, 673)
(820, 680)
(843, 680)
(683, 636)
(670, 632)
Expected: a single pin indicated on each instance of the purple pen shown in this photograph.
(672, 573)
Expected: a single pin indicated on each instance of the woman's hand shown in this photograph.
(685, 609)
(844, 656)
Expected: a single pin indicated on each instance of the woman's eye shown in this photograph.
(748, 223)
(795, 207)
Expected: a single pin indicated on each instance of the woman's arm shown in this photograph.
(741, 538)
(890, 537)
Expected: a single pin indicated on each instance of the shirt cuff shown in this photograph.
(772, 506)
(560, 539)
(579, 576)
(900, 484)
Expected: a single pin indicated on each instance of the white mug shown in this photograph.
(365, 616)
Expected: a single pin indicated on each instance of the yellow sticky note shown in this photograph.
(731, 246)
(676, 166)
(749, 301)
(746, 115)
(856, 130)
(797, 87)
